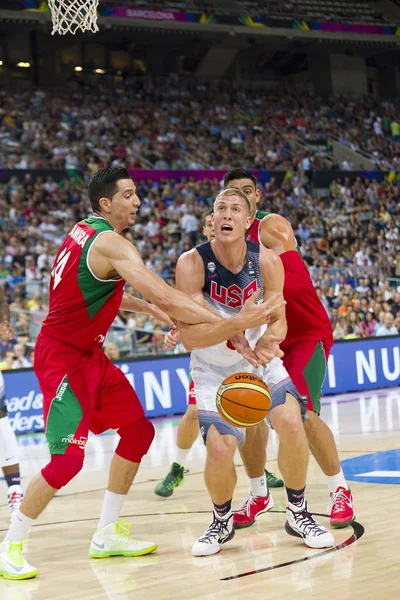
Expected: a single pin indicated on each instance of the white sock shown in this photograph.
(337, 481)
(181, 455)
(111, 508)
(8, 446)
(19, 528)
(258, 486)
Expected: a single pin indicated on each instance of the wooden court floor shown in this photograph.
(260, 562)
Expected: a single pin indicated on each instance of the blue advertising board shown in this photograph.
(162, 383)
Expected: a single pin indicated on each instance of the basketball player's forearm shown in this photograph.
(132, 304)
(186, 310)
(277, 329)
(195, 337)
(172, 301)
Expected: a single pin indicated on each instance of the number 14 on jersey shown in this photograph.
(59, 267)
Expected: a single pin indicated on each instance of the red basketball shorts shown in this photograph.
(82, 391)
(306, 363)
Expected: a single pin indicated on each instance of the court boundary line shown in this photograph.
(358, 532)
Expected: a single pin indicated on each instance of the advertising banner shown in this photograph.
(162, 383)
(147, 15)
(200, 174)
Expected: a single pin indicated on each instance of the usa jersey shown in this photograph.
(81, 306)
(225, 293)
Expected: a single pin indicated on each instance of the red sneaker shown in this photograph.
(341, 508)
(247, 512)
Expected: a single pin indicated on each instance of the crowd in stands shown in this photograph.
(349, 240)
(166, 124)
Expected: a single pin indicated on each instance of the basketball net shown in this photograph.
(69, 16)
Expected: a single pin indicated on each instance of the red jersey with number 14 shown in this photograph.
(305, 314)
(81, 306)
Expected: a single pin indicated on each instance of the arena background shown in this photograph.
(303, 93)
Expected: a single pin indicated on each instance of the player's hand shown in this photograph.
(162, 316)
(255, 315)
(267, 348)
(242, 346)
(6, 331)
(171, 339)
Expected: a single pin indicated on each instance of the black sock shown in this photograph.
(296, 497)
(223, 509)
(13, 479)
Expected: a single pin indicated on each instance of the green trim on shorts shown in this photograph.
(314, 374)
(63, 419)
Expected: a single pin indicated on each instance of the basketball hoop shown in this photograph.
(69, 16)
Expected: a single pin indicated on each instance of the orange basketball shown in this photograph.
(243, 400)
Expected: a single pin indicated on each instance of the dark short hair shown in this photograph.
(206, 214)
(238, 174)
(103, 184)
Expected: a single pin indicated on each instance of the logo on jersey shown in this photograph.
(233, 296)
(100, 339)
(211, 267)
(251, 268)
(70, 439)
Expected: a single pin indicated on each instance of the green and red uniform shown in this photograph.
(309, 337)
(82, 389)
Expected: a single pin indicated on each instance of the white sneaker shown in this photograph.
(114, 540)
(15, 496)
(12, 563)
(300, 523)
(219, 532)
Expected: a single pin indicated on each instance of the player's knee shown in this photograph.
(311, 422)
(218, 454)
(62, 468)
(136, 439)
(288, 424)
(219, 447)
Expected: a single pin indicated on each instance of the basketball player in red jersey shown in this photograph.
(306, 352)
(82, 389)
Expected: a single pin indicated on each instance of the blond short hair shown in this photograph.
(232, 191)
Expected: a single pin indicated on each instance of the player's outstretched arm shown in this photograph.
(110, 252)
(272, 272)
(277, 234)
(137, 305)
(190, 279)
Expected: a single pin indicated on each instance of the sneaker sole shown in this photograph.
(169, 492)
(342, 525)
(271, 505)
(294, 533)
(128, 553)
(16, 577)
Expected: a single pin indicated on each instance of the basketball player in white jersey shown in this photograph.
(8, 442)
(221, 275)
